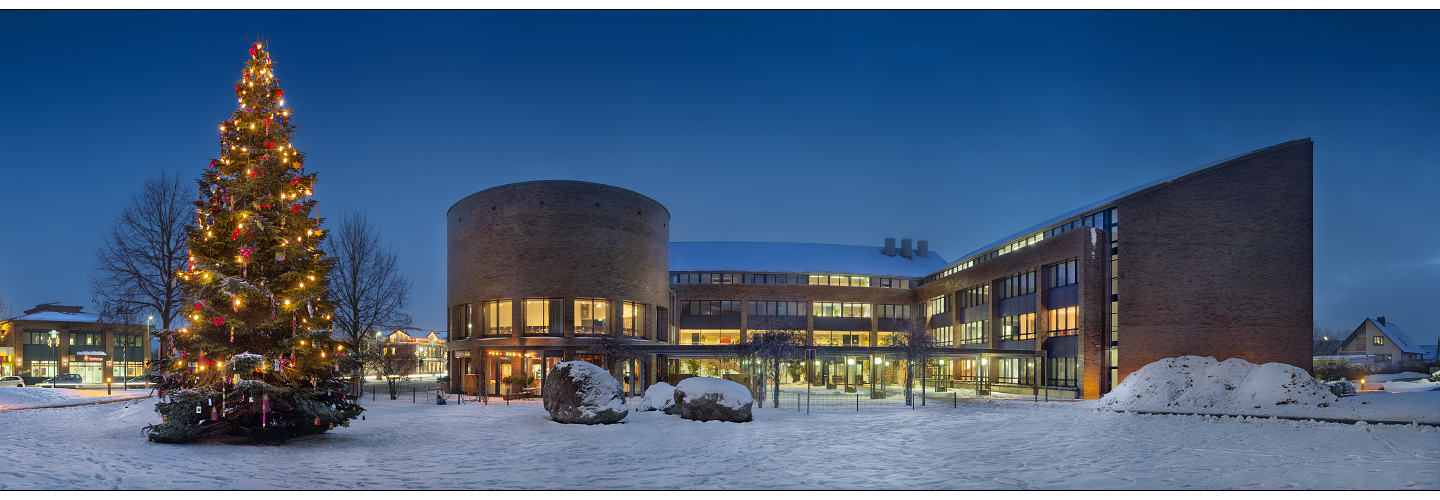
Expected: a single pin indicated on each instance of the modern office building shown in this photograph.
(1215, 261)
(56, 338)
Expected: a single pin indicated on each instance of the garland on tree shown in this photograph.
(256, 363)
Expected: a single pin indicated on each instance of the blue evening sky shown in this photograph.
(959, 127)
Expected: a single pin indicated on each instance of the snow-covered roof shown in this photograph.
(757, 257)
(1399, 337)
(59, 316)
(1115, 198)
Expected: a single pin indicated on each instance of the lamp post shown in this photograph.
(54, 344)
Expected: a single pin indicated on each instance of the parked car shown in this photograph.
(71, 380)
(138, 381)
(12, 382)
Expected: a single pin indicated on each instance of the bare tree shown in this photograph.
(915, 345)
(365, 284)
(1326, 340)
(777, 339)
(394, 363)
(137, 264)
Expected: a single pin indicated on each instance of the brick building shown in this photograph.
(1215, 261)
(57, 338)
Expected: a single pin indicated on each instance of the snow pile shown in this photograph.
(658, 397)
(16, 398)
(1202, 382)
(1405, 376)
(728, 394)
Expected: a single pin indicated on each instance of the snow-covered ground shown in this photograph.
(1005, 444)
(15, 398)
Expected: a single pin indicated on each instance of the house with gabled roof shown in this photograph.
(1380, 342)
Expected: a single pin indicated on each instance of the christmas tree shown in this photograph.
(256, 363)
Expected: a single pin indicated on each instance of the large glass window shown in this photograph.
(37, 337)
(838, 338)
(460, 321)
(937, 305)
(1063, 321)
(822, 279)
(1017, 371)
(704, 278)
(842, 310)
(541, 316)
(708, 337)
(773, 308)
(632, 316)
(943, 336)
(1062, 372)
(85, 338)
(1019, 327)
(591, 316)
(775, 279)
(709, 308)
(1061, 274)
(974, 331)
(898, 311)
(893, 282)
(497, 317)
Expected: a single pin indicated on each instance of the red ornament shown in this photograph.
(218, 320)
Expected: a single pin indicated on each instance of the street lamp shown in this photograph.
(54, 344)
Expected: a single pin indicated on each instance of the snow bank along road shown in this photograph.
(1019, 445)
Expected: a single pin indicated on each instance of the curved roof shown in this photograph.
(559, 181)
(744, 256)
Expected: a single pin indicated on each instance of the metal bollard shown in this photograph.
(857, 402)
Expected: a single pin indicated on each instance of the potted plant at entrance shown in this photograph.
(515, 380)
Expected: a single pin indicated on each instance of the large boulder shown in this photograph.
(660, 396)
(709, 398)
(577, 392)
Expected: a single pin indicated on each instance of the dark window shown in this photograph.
(900, 311)
(774, 308)
(1061, 372)
(709, 307)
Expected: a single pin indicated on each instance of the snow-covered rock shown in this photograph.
(709, 398)
(1233, 384)
(660, 396)
(577, 392)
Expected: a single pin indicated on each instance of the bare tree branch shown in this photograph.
(776, 339)
(143, 250)
(365, 283)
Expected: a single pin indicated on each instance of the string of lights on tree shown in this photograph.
(256, 362)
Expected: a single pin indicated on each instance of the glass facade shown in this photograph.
(1017, 307)
(822, 279)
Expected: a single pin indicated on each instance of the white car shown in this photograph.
(12, 382)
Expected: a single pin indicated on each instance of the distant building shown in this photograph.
(429, 348)
(1380, 342)
(58, 338)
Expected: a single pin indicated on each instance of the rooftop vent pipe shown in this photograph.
(905, 248)
(889, 248)
(922, 249)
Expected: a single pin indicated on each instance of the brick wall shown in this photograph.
(1220, 264)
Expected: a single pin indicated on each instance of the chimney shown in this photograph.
(922, 249)
(889, 248)
(1382, 320)
(905, 248)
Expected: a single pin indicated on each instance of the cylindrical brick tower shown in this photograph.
(535, 263)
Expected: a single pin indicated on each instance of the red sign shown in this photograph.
(92, 358)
